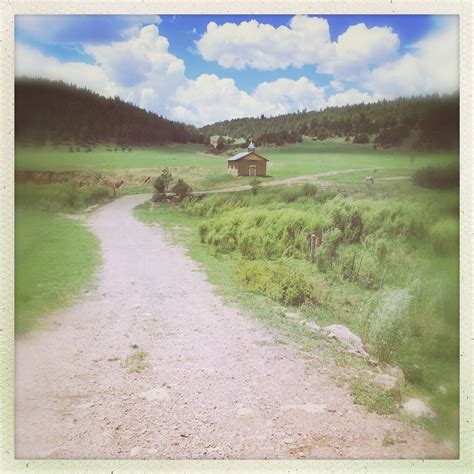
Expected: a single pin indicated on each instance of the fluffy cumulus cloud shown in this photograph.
(209, 99)
(431, 66)
(262, 46)
(305, 41)
(143, 65)
(356, 49)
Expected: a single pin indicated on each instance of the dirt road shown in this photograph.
(310, 178)
(209, 381)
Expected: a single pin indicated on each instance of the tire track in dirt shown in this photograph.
(210, 382)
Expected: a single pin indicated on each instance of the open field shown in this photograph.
(205, 171)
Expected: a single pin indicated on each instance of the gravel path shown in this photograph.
(210, 382)
(310, 178)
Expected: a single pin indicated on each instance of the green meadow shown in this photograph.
(205, 171)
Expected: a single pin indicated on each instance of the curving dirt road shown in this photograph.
(210, 383)
(310, 178)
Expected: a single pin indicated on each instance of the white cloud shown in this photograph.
(262, 46)
(432, 66)
(350, 97)
(356, 49)
(209, 99)
(305, 41)
(33, 63)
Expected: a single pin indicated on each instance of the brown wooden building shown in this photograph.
(247, 163)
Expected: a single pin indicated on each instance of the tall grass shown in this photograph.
(391, 253)
(60, 197)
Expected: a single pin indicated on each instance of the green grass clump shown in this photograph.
(55, 259)
(275, 280)
(373, 397)
(137, 361)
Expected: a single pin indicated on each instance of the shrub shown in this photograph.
(361, 138)
(437, 178)
(255, 185)
(276, 281)
(182, 189)
(388, 323)
(309, 190)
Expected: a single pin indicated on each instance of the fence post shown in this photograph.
(312, 247)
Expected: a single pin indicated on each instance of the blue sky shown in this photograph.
(204, 68)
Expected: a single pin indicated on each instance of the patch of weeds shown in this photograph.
(137, 361)
(373, 397)
(388, 440)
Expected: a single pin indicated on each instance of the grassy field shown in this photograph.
(387, 268)
(55, 256)
(205, 171)
(55, 259)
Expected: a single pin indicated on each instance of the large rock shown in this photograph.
(396, 372)
(417, 408)
(347, 338)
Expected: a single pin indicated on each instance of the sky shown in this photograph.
(200, 69)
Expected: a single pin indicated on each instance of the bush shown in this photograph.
(361, 138)
(276, 281)
(255, 185)
(437, 178)
(182, 189)
(309, 190)
(388, 323)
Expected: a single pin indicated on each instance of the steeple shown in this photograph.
(251, 147)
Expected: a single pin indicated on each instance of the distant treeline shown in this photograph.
(52, 112)
(432, 120)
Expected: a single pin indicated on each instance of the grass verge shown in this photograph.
(55, 258)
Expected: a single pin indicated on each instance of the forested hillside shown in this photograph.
(435, 119)
(54, 112)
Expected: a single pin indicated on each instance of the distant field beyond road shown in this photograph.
(205, 171)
